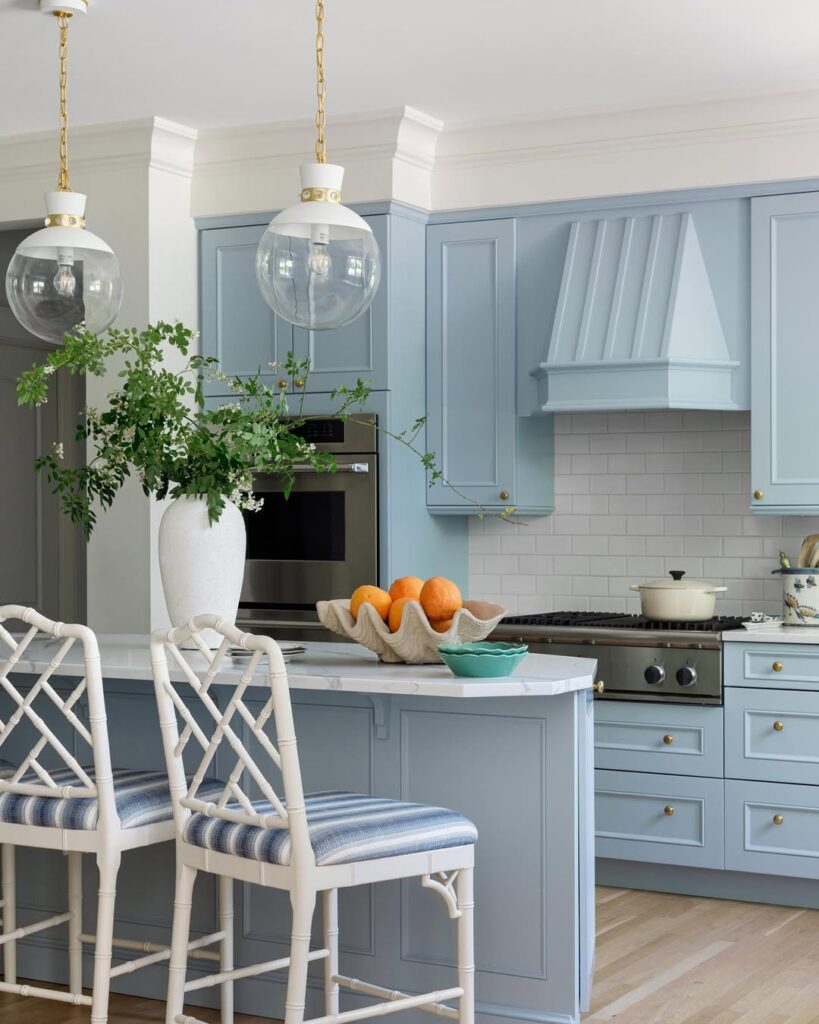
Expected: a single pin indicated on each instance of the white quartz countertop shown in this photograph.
(330, 666)
(773, 633)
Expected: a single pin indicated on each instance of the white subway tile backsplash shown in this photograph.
(639, 494)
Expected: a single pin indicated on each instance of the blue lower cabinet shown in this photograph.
(662, 819)
(673, 739)
(772, 828)
(772, 735)
(773, 666)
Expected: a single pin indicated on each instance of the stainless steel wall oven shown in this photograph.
(322, 541)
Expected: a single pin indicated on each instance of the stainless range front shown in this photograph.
(636, 659)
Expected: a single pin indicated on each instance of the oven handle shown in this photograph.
(341, 467)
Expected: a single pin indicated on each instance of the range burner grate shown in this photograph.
(622, 620)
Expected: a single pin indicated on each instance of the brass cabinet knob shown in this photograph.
(778, 819)
(777, 666)
(668, 740)
(779, 726)
(282, 382)
(599, 686)
(299, 382)
(668, 811)
(759, 495)
(504, 495)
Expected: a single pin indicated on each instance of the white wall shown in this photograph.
(639, 494)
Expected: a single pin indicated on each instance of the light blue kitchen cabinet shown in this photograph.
(492, 457)
(772, 829)
(239, 328)
(784, 315)
(772, 735)
(237, 325)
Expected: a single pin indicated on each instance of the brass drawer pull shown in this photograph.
(779, 726)
(759, 495)
(778, 819)
(299, 382)
(777, 666)
(282, 383)
(599, 687)
(668, 740)
(668, 811)
(504, 495)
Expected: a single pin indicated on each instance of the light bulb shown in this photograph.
(318, 255)
(65, 284)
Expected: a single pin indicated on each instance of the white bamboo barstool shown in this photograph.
(292, 842)
(79, 808)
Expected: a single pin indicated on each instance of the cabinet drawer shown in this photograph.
(671, 738)
(772, 735)
(794, 665)
(753, 840)
(632, 820)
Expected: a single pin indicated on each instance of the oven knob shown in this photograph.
(686, 676)
(654, 674)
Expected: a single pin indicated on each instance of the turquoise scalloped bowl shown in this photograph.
(485, 660)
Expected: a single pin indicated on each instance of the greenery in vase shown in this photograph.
(156, 425)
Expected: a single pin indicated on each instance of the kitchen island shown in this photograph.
(515, 755)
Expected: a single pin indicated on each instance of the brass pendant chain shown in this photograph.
(321, 86)
(63, 183)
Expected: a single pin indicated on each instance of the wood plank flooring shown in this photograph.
(685, 960)
(661, 959)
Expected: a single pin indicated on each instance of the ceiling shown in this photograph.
(211, 63)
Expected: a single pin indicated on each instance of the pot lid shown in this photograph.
(678, 583)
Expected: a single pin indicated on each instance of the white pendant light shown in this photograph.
(64, 275)
(318, 264)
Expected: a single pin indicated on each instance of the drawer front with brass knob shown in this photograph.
(772, 828)
(672, 738)
(663, 819)
(768, 665)
(772, 735)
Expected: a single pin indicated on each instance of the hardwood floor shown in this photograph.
(686, 960)
(661, 959)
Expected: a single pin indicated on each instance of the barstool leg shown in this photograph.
(178, 967)
(303, 903)
(108, 865)
(75, 922)
(466, 946)
(330, 899)
(226, 948)
(9, 887)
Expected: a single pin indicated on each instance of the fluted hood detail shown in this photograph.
(636, 324)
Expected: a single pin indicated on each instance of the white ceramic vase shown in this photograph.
(202, 565)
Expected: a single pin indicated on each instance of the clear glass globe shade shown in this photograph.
(318, 286)
(51, 297)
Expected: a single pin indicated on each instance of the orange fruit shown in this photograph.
(442, 625)
(406, 586)
(440, 598)
(378, 598)
(396, 611)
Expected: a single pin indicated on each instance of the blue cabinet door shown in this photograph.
(359, 349)
(471, 362)
(237, 325)
(784, 315)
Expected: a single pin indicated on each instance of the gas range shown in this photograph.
(637, 658)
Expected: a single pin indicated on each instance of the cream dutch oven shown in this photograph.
(678, 600)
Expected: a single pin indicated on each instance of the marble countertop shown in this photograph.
(331, 666)
(773, 633)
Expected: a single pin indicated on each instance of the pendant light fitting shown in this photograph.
(63, 274)
(318, 264)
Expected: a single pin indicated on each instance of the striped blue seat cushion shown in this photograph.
(344, 827)
(142, 798)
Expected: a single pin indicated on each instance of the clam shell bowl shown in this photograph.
(416, 642)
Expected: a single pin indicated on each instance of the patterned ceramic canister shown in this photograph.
(800, 595)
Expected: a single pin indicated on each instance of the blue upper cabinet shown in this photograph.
(491, 457)
(359, 349)
(243, 332)
(784, 318)
(237, 325)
